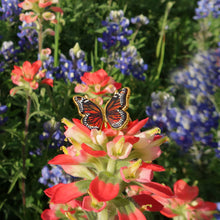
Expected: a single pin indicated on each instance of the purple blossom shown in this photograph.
(8, 51)
(68, 69)
(73, 69)
(206, 8)
(9, 10)
(53, 176)
(28, 36)
(190, 119)
(140, 20)
(130, 63)
(117, 31)
(119, 52)
(52, 133)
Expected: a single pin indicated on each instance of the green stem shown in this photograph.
(135, 34)
(103, 215)
(160, 49)
(56, 41)
(111, 166)
(40, 36)
(24, 149)
(51, 98)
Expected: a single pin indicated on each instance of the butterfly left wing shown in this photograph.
(115, 109)
(92, 114)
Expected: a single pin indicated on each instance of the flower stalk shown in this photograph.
(24, 149)
(56, 40)
(111, 166)
(103, 215)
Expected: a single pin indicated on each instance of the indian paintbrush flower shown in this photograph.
(108, 162)
(186, 204)
(29, 76)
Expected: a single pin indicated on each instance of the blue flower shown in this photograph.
(10, 10)
(194, 118)
(159, 111)
(73, 69)
(140, 20)
(68, 69)
(207, 7)
(52, 133)
(3, 109)
(130, 63)
(8, 52)
(119, 52)
(28, 36)
(116, 33)
(48, 64)
(53, 176)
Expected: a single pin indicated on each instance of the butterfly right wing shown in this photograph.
(115, 109)
(92, 115)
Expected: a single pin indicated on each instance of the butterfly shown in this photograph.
(114, 112)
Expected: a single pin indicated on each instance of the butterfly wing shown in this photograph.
(115, 109)
(92, 116)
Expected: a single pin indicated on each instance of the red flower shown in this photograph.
(95, 153)
(63, 193)
(29, 75)
(97, 83)
(184, 203)
(57, 9)
(49, 214)
(185, 192)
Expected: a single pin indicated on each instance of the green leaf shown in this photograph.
(18, 175)
(35, 100)
(40, 113)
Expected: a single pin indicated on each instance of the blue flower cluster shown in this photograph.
(195, 116)
(9, 10)
(115, 37)
(69, 70)
(160, 105)
(53, 176)
(8, 54)
(3, 109)
(28, 36)
(140, 20)
(202, 74)
(115, 40)
(207, 7)
(52, 133)
(73, 69)
(131, 63)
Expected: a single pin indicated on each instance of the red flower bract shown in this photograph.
(29, 75)
(103, 191)
(63, 193)
(185, 192)
(49, 214)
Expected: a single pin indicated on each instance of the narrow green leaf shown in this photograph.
(15, 179)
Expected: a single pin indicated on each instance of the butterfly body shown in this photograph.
(114, 113)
